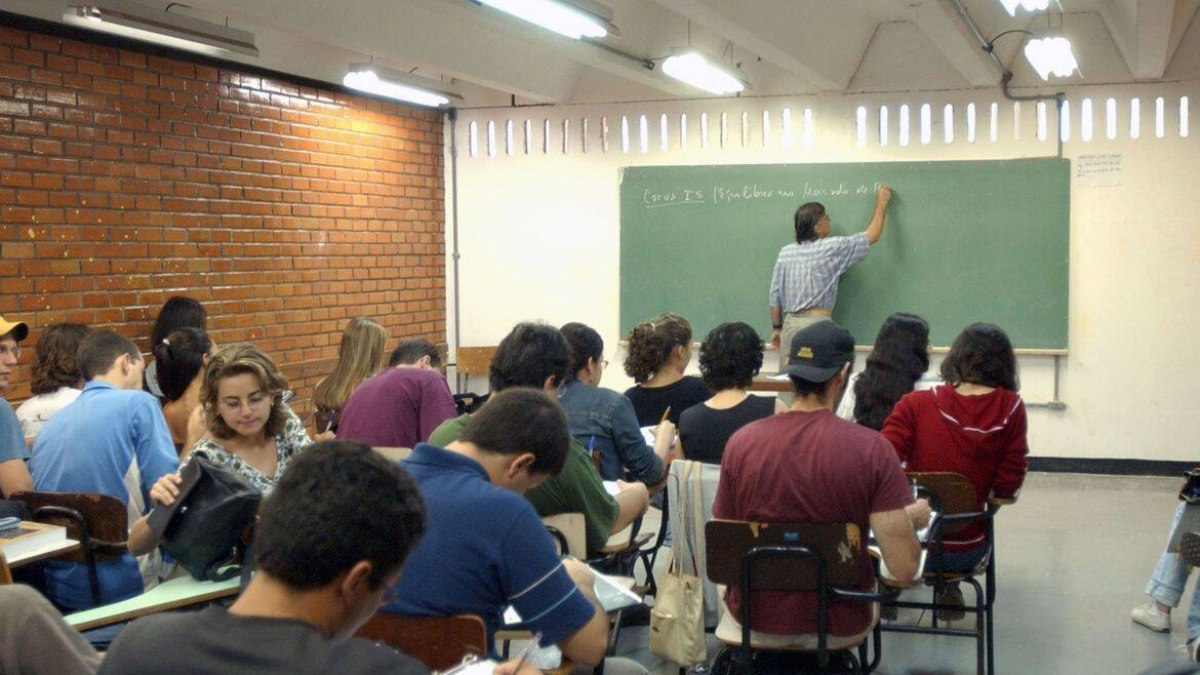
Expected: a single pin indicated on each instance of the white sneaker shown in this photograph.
(1149, 616)
(1189, 650)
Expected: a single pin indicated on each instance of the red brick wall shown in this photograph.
(126, 178)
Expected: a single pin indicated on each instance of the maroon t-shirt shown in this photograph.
(808, 467)
(397, 408)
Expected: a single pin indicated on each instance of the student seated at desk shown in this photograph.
(14, 474)
(656, 357)
(807, 465)
(360, 357)
(56, 377)
(181, 359)
(251, 431)
(974, 424)
(330, 542)
(895, 366)
(729, 359)
(111, 440)
(604, 420)
(486, 548)
(402, 405)
(537, 356)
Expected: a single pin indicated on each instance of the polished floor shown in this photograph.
(1074, 556)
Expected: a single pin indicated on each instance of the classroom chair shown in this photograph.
(440, 642)
(5, 572)
(790, 557)
(99, 522)
(953, 496)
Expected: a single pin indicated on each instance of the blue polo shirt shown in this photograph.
(109, 441)
(485, 548)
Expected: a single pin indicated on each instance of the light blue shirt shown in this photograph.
(108, 441)
(806, 275)
(12, 442)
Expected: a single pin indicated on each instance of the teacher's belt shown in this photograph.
(812, 311)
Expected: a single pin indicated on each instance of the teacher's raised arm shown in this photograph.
(804, 283)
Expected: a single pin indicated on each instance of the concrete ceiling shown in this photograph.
(782, 47)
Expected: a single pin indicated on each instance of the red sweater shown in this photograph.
(981, 437)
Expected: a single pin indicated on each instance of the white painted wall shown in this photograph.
(539, 236)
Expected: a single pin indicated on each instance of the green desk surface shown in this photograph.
(171, 594)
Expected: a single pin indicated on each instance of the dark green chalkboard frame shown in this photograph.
(964, 242)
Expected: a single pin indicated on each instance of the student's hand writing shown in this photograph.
(510, 668)
(919, 513)
(166, 489)
(665, 429)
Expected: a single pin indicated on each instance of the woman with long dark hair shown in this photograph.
(894, 368)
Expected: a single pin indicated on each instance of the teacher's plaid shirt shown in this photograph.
(806, 275)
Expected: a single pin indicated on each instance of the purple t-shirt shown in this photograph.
(397, 408)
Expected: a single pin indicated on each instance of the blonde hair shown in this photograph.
(360, 356)
(238, 359)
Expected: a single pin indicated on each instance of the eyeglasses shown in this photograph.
(15, 351)
(604, 362)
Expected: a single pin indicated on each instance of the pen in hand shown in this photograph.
(666, 413)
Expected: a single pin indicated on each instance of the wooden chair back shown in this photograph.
(100, 523)
(474, 360)
(948, 493)
(440, 642)
(5, 572)
(839, 545)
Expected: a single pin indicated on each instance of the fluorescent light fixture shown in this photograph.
(1051, 56)
(139, 22)
(1029, 5)
(573, 18)
(692, 68)
(381, 81)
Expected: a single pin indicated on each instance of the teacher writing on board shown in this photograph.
(805, 281)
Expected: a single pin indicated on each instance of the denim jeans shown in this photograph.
(1170, 576)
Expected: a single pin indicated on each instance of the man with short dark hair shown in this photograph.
(330, 541)
(538, 356)
(807, 465)
(486, 548)
(402, 405)
(111, 440)
(14, 475)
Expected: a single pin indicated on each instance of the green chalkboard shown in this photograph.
(964, 242)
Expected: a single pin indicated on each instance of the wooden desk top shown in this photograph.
(170, 594)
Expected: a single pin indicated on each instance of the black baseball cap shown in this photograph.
(819, 351)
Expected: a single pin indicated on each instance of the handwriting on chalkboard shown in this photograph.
(729, 194)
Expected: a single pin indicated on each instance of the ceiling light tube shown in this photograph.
(575, 19)
(139, 22)
(381, 81)
(692, 68)
(1029, 5)
(1051, 56)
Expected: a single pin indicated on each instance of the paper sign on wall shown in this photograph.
(1101, 170)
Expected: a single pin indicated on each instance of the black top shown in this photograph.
(703, 431)
(650, 403)
(213, 641)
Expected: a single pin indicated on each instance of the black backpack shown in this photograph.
(203, 530)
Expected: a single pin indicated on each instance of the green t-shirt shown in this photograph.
(577, 489)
